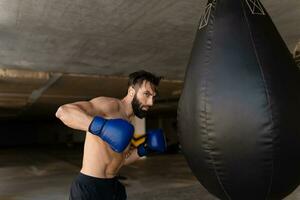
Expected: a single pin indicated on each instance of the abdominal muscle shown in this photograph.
(99, 160)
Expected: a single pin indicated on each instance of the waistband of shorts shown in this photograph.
(95, 180)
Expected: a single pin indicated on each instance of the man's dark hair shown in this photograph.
(139, 76)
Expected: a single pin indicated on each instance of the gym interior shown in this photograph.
(58, 52)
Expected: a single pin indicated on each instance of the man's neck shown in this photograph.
(126, 101)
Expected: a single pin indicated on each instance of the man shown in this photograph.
(108, 134)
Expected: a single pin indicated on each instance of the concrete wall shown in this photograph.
(18, 133)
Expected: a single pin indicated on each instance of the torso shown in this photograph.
(99, 160)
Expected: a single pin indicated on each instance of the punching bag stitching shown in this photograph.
(266, 93)
(206, 130)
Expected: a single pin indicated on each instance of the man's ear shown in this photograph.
(131, 91)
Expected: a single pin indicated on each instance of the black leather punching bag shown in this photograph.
(238, 114)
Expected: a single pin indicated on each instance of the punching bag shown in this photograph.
(238, 113)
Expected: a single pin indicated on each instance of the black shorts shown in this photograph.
(86, 187)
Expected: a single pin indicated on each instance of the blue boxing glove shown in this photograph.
(116, 132)
(155, 142)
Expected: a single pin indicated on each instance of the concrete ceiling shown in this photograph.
(64, 47)
(112, 37)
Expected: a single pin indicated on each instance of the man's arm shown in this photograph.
(79, 115)
(131, 157)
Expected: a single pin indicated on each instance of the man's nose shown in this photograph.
(150, 102)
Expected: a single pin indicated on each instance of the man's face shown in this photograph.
(143, 99)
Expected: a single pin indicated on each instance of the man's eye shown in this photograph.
(147, 94)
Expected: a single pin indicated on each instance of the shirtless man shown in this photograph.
(109, 132)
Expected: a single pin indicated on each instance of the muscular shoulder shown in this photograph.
(106, 105)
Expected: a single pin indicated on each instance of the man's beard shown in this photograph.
(137, 108)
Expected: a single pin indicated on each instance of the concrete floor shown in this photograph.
(46, 173)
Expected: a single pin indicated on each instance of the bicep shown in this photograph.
(85, 106)
(95, 107)
(104, 107)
